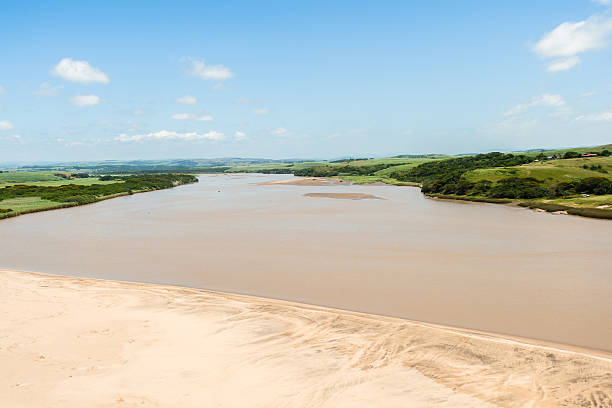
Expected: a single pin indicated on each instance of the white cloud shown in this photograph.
(169, 135)
(138, 112)
(18, 139)
(240, 135)
(79, 71)
(2, 90)
(209, 72)
(85, 100)
(571, 38)
(596, 117)
(47, 89)
(550, 100)
(603, 2)
(563, 64)
(261, 111)
(278, 131)
(5, 125)
(191, 116)
(187, 100)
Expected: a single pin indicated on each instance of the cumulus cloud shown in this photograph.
(187, 100)
(170, 135)
(201, 70)
(79, 71)
(569, 39)
(261, 111)
(240, 135)
(5, 125)
(47, 89)
(191, 116)
(550, 100)
(85, 100)
(278, 131)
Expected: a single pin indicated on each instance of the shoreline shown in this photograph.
(91, 342)
(604, 355)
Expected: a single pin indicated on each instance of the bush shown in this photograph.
(571, 155)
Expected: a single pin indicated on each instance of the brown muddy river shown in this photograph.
(481, 266)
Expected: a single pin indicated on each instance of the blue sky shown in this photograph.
(155, 79)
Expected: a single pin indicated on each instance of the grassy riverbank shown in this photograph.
(27, 193)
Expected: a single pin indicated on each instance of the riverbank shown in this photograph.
(81, 342)
(26, 198)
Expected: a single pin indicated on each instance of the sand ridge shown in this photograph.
(308, 181)
(344, 196)
(76, 342)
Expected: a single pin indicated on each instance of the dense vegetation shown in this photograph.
(29, 197)
(446, 177)
(347, 170)
(83, 194)
(452, 169)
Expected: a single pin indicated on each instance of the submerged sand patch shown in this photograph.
(344, 196)
(76, 342)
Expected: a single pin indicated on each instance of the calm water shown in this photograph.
(488, 267)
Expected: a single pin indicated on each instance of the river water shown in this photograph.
(482, 266)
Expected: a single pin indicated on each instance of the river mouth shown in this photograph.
(481, 266)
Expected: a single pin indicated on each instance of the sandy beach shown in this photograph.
(76, 342)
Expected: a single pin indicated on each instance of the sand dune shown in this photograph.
(72, 342)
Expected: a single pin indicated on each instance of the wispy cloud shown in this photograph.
(5, 125)
(551, 100)
(187, 100)
(261, 111)
(240, 135)
(603, 2)
(170, 135)
(569, 39)
(79, 71)
(200, 69)
(47, 89)
(596, 117)
(278, 131)
(85, 100)
(191, 116)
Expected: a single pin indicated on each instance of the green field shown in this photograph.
(27, 204)
(44, 178)
(548, 171)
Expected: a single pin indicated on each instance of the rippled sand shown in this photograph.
(75, 342)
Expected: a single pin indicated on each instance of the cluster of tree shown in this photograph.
(5, 210)
(79, 175)
(350, 160)
(517, 187)
(454, 168)
(347, 170)
(80, 194)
